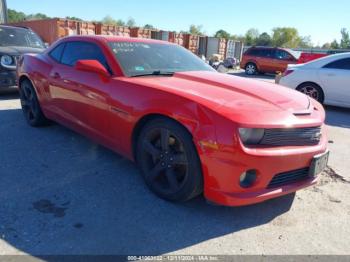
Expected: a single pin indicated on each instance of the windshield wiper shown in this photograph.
(156, 73)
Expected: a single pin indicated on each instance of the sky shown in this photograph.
(320, 19)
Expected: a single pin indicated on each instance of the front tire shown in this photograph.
(30, 105)
(168, 160)
(312, 90)
(251, 69)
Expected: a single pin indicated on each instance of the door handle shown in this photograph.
(330, 74)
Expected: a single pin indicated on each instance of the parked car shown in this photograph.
(189, 128)
(15, 41)
(327, 79)
(268, 60)
(273, 60)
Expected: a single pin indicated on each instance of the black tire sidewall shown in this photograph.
(318, 88)
(40, 119)
(194, 183)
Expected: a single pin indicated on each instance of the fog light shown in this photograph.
(247, 178)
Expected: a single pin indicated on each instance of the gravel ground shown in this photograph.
(62, 194)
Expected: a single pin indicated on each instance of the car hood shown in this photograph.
(247, 101)
(19, 50)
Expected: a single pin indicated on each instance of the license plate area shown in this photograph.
(318, 164)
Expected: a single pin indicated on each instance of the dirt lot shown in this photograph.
(62, 194)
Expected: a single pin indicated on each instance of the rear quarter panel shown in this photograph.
(37, 69)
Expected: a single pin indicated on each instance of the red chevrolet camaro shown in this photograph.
(189, 128)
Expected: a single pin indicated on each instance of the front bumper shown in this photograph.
(223, 169)
(8, 79)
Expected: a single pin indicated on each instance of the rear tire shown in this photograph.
(312, 90)
(30, 105)
(251, 69)
(169, 161)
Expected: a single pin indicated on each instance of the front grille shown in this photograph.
(291, 136)
(286, 178)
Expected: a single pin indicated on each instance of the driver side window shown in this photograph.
(283, 55)
(75, 51)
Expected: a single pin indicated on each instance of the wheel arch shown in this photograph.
(24, 77)
(141, 123)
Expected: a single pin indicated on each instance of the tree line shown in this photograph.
(281, 36)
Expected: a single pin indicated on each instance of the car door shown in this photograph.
(335, 79)
(265, 60)
(281, 60)
(81, 97)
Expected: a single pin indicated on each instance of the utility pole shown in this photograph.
(3, 12)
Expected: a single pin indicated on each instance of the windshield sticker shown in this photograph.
(139, 68)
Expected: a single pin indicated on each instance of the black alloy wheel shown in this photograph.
(30, 105)
(169, 160)
(312, 90)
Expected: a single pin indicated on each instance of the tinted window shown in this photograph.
(75, 51)
(283, 55)
(266, 52)
(56, 54)
(339, 64)
(252, 52)
(261, 52)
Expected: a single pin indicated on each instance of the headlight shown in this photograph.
(251, 136)
(6, 60)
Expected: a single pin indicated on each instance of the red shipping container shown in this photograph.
(87, 28)
(140, 32)
(51, 29)
(177, 38)
(103, 29)
(191, 42)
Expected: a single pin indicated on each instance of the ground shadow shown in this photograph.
(337, 116)
(8, 94)
(62, 194)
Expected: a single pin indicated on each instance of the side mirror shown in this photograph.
(92, 66)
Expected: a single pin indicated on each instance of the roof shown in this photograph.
(107, 38)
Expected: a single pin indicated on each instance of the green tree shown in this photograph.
(148, 26)
(196, 30)
(251, 36)
(222, 34)
(264, 40)
(285, 37)
(327, 46)
(38, 16)
(120, 22)
(305, 42)
(111, 21)
(335, 45)
(74, 18)
(345, 39)
(14, 16)
(131, 22)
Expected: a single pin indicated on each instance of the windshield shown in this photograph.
(19, 37)
(148, 58)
